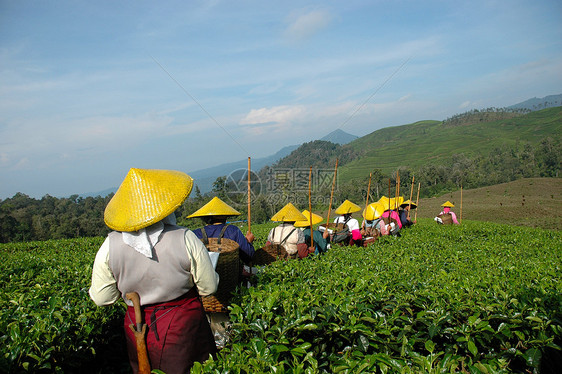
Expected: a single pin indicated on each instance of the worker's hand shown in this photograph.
(250, 237)
(311, 250)
(325, 234)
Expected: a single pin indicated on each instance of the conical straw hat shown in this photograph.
(215, 207)
(146, 196)
(385, 201)
(316, 219)
(288, 214)
(410, 203)
(396, 202)
(447, 204)
(373, 211)
(347, 207)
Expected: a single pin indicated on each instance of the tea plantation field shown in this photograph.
(475, 298)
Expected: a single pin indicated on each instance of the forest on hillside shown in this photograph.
(23, 218)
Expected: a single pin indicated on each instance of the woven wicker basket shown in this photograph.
(229, 268)
(269, 254)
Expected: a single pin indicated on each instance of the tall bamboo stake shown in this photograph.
(368, 193)
(389, 207)
(332, 195)
(461, 205)
(310, 207)
(397, 190)
(417, 205)
(249, 198)
(411, 195)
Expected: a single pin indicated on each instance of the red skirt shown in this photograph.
(178, 334)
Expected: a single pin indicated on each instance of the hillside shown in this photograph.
(535, 202)
(432, 142)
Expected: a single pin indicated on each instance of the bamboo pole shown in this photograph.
(332, 195)
(397, 191)
(249, 199)
(367, 198)
(310, 207)
(417, 205)
(461, 206)
(411, 195)
(389, 195)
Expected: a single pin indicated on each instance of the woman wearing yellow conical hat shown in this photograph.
(390, 216)
(318, 238)
(215, 214)
(345, 210)
(166, 265)
(447, 216)
(373, 225)
(286, 234)
(404, 213)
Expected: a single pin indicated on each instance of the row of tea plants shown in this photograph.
(470, 298)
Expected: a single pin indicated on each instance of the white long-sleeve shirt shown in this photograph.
(104, 289)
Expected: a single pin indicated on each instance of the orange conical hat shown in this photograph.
(215, 207)
(146, 196)
(288, 214)
(347, 207)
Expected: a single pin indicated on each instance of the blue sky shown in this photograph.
(89, 89)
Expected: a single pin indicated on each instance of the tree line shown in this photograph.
(23, 218)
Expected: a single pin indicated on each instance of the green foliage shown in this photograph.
(439, 299)
(47, 321)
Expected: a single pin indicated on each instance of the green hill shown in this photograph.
(434, 142)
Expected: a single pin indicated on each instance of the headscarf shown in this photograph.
(144, 240)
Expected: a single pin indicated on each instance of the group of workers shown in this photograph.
(170, 269)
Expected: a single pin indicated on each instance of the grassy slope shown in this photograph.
(430, 141)
(535, 202)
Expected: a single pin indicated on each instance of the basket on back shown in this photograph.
(229, 269)
(340, 232)
(270, 253)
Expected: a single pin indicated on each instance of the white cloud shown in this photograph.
(278, 114)
(305, 25)
(465, 104)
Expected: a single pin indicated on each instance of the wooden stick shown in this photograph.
(411, 195)
(310, 207)
(397, 190)
(367, 199)
(461, 206)
(249, 196)
(417, 205)
(332, 195)
(389, 207)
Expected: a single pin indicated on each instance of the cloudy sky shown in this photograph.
(89, 89)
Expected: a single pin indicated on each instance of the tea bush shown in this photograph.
(471, 298)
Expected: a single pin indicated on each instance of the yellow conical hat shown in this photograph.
(215, 207)
(409, 203)
(146, 196)
(447, 204)
(288, 214)
(347, 207)
(316, 219)
(373, 211)
(396, 202)
(385, 201)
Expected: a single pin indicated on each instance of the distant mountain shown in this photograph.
(103, 193)
(539, 103)
(204, 178)
(339, 137)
